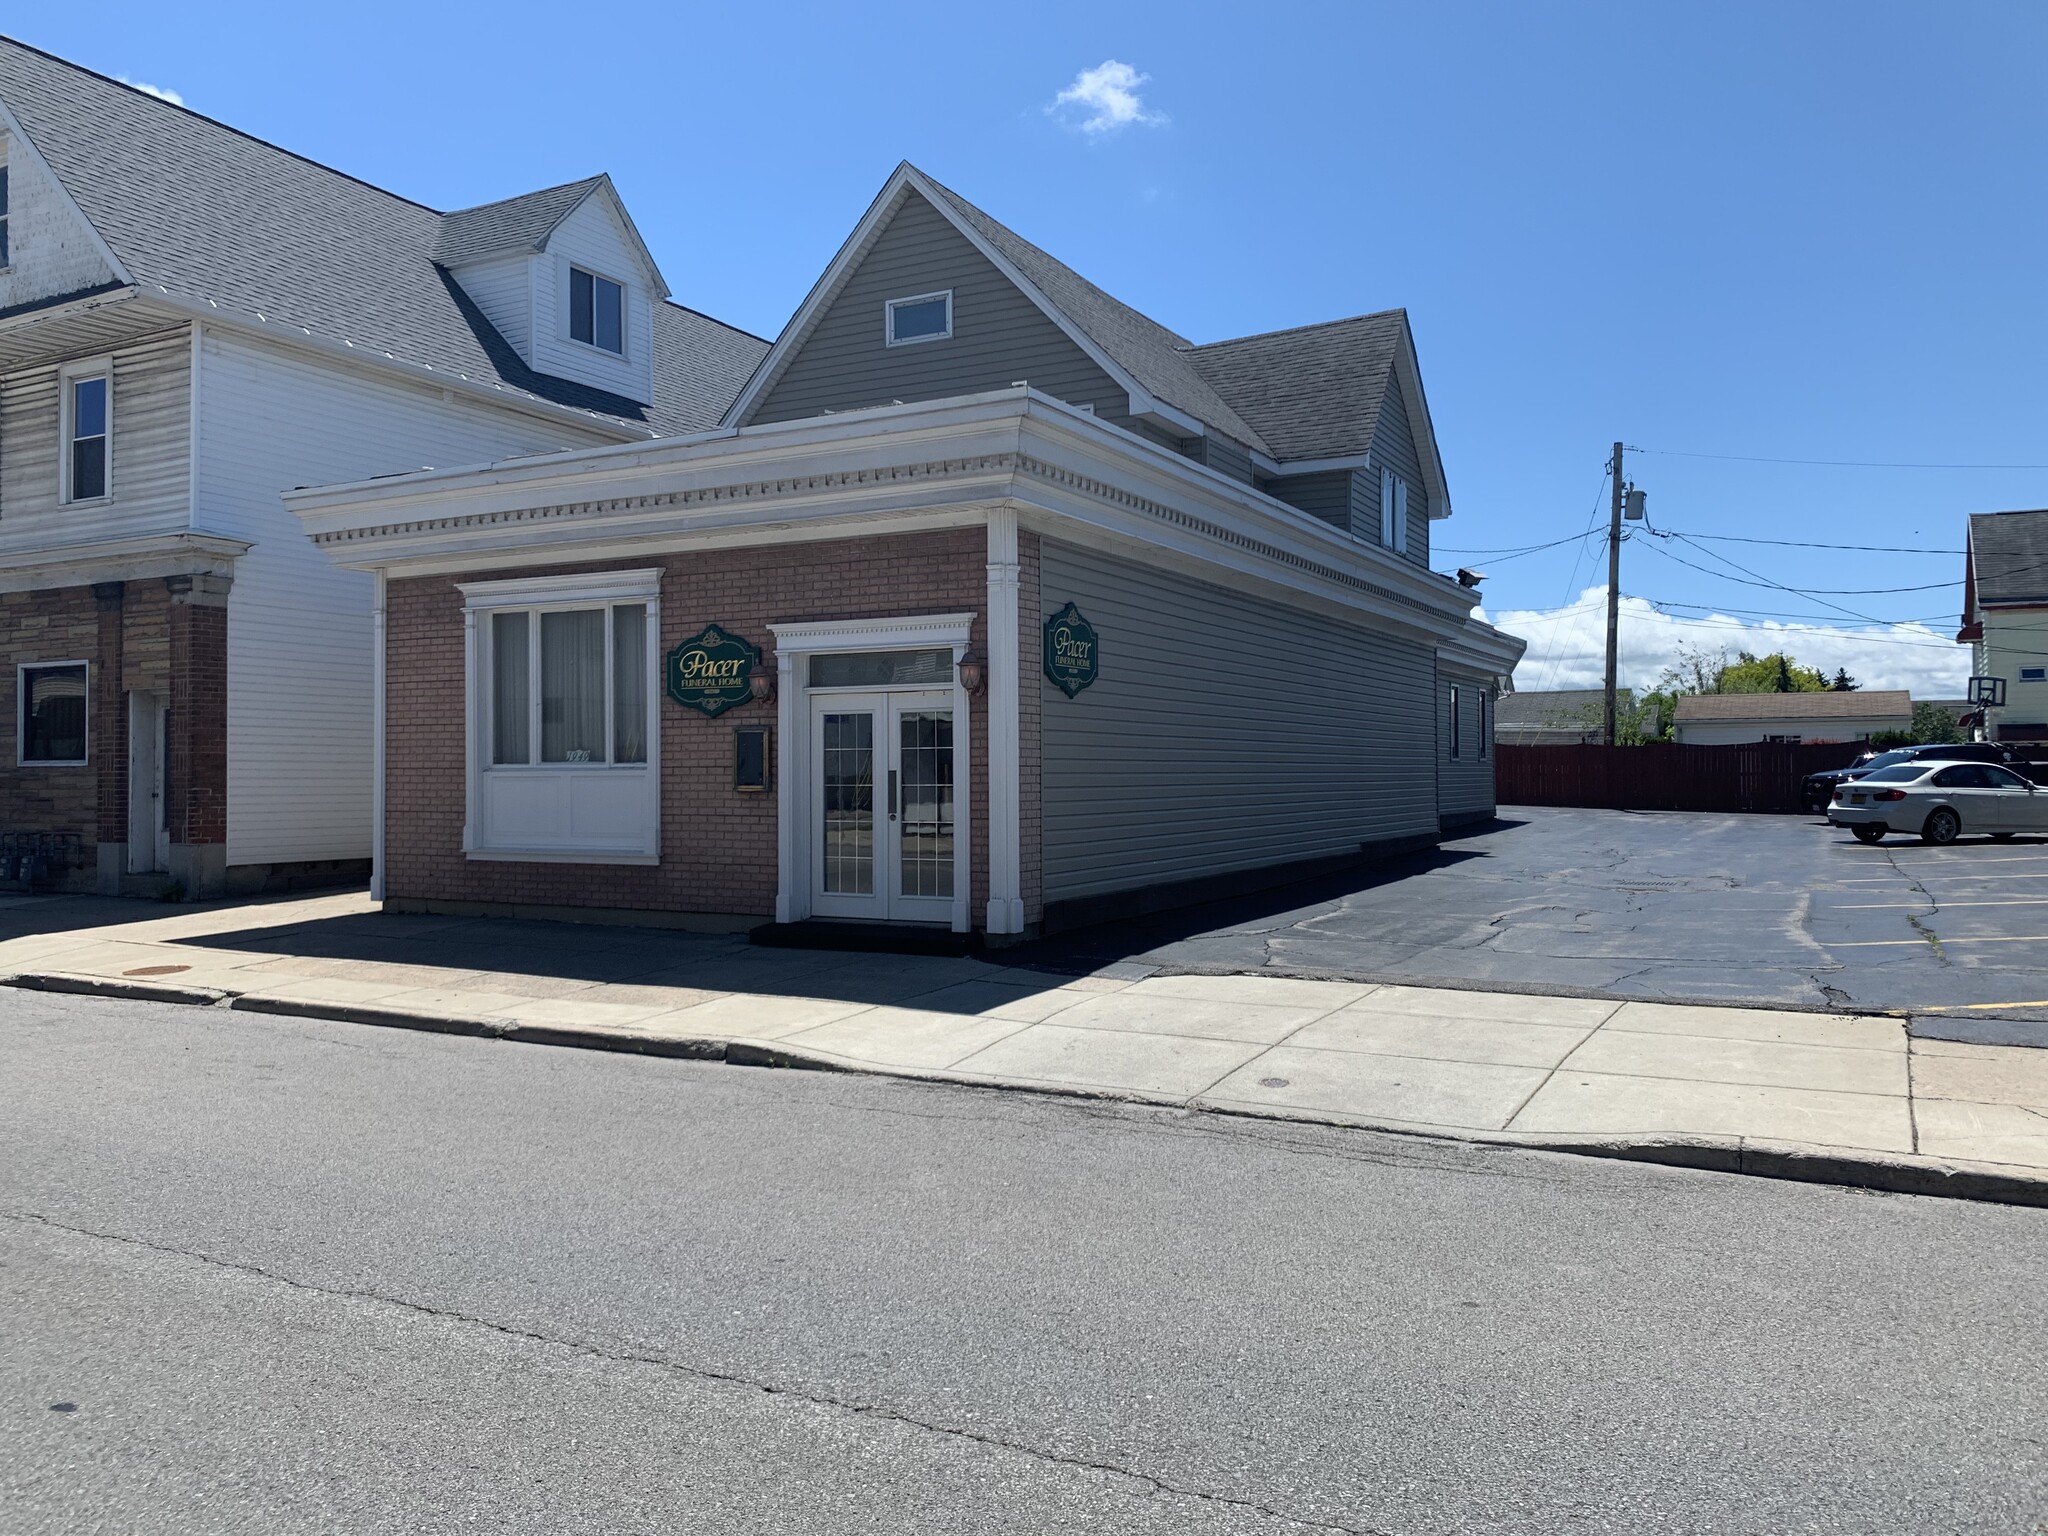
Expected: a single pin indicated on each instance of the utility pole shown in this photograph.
(1613, 590)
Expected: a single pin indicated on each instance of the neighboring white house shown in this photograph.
(193, 321)
(1717, 718)
(2005, 619)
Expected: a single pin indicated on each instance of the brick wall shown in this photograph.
(197, 777)
(1030, 707)
(61, 625)
(718, 847)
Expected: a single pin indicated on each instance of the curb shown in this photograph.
(1756, 1159)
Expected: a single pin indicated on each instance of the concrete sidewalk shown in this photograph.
(1839, 1098)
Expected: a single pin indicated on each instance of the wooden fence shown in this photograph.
(1751, 776)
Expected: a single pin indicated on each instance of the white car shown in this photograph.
(1940, 802)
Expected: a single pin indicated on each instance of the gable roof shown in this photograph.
(214, 219)
(2009, 557)
(1770, 708)
(1314, 391)
(512, 223)
(1558, 706)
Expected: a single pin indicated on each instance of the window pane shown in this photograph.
(927, 317)
(511, 699)
(53, 716)
(610, 305)
(572, 686)
(88, 468)
(872, 669)
(88, 407)
(849, 796)
(579, 304)
(629, 683)
(926, 840)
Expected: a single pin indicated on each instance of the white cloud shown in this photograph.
(1108, 93)
(1568, 646)
(154, 90)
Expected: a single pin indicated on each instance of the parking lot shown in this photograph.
(1765, 909)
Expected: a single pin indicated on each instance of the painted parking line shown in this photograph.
(1967, 1007)
(2017, 938)
(1894, 879)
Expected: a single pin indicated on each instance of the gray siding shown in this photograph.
(1393, 444)
(1464, 782)
(1225, 732)
(999, 335)
(1227, 457)
(1326, 496)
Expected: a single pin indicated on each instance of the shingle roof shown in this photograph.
(2009, 556)
(1315, 391)
(1159, 359)
(1553, 707)
(1853, 705)
(210, 215)
(512, 223)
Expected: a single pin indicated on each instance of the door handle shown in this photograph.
(892, 794)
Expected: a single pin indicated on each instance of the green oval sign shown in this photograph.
(708, 672)
(1071, 658)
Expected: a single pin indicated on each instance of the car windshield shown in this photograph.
(1902, 773)
(1886, 759)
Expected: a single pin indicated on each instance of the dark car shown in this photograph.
(1817, 789)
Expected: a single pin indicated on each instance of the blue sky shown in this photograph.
(1805, 231)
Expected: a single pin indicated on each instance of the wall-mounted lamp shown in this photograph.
(761, 682)
(973, 675)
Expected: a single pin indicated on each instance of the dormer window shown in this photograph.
(597, 311)
(923, 317)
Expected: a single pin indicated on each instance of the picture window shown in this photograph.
(572, 682)
(52, 724)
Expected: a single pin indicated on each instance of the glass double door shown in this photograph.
(883, 771)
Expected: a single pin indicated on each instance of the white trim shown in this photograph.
(551, 591)
(379, 727)
(69, 377)
(507, 855)
(1455, 746)
(21, 758)
(890, 306)
(1323, 466)
(176, 554)
(1004, 668)
(833, 636)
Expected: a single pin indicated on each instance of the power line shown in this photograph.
(1511, 550)
(1751, 458)
(1873, 549)
(1758, 581)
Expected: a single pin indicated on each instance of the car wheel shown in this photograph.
(1944, 826)
(1868, 834)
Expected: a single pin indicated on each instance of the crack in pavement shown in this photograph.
(1154, 1486)
(1913, 920)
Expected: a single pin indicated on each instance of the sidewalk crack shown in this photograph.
(1151, 1485)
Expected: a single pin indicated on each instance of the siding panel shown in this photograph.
(999, 335)
(1328, 497)
(503, 290)
(1225, 732)
(152, 452)
(1393, 444)
(299, 633)
(1465, 790)
(593, 238)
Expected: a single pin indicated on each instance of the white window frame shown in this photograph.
(535, 595)
(889, 309)
(625, 310)
(21, 757)
(1393, 512)
(68, 377)
(1457, 753)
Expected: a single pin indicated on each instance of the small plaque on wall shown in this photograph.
(750, 759)
(708, 672)
(1071, 659)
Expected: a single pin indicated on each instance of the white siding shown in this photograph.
(151, 398)
(1225, 732)
(298, 628)
(593, 238)
(51, 248)
(503, 290)
(2013, 639)
(1725, 733)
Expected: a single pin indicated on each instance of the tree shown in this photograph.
(1775, 673)
(1932, 723)
(1843, 682)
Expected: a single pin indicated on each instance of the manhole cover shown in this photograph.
(1272, 1082)
(157, 970)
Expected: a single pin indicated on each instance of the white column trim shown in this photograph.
(378, 715)
(472, 780)
(792, 871)
(1005, 679)
(963, 798)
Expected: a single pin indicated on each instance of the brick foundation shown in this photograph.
(718, 846)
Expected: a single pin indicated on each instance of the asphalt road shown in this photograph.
(1701, 908)
(269, 1275)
